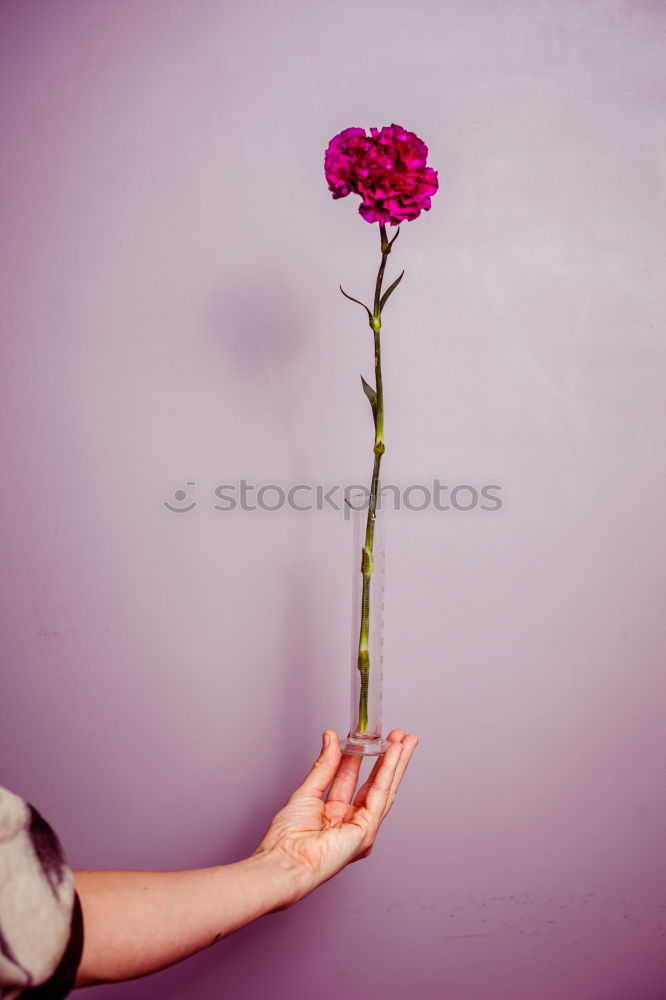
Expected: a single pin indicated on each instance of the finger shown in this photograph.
(344, 783)
(395, 736)
(345, 780)
(409, 745)
(323, 769)
(380, 788)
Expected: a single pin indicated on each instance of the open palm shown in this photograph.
(317, 837)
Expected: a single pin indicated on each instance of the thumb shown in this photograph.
(324, 768)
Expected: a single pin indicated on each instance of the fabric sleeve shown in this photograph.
(41, 925)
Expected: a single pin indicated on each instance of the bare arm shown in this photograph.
(136, 923)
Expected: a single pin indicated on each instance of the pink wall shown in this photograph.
(170, 312)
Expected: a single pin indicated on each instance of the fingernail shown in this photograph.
(327, 740)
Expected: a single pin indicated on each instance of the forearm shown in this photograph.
(136, 923)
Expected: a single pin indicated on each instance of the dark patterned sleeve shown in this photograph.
(41, 925)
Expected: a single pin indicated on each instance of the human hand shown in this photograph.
(314, 838)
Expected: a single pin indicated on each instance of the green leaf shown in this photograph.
(352, 299)
(397, 233)
(386, 248)
(370, 393)
(382, 301)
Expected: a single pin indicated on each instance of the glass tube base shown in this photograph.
(364, 746)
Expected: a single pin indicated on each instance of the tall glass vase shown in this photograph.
(365, 729)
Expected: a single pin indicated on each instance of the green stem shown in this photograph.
(379, 448)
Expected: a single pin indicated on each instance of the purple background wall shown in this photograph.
(170, 312)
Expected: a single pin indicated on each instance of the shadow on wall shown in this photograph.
(258, 325)
(257, 329)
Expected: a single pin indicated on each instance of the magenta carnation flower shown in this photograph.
(387, 169)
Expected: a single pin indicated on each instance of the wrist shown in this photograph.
(278, 878)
